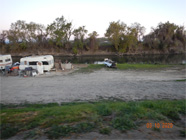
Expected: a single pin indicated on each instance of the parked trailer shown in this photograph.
(5, 60)
(47, 61)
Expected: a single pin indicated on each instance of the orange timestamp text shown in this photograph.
(159, 125)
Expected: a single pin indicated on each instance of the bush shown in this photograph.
(75, 50)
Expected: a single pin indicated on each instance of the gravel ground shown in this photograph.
(102, 84)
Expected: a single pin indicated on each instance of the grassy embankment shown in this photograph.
(125, 66)
(56, 120)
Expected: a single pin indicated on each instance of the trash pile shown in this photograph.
(15, 71)
(32, 65)
(28, 66)
(63, 66)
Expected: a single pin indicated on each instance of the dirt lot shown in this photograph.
(103, 84)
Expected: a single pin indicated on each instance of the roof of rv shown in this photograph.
(4, 55)
(37, 58)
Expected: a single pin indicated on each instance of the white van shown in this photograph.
(5, 60)
(31, 61)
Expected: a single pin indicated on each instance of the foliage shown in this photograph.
(93, 43)
(140, 30)
(3, 37)
(181, 80)
(84, 127)
(8, 130)
(32, 134)
(60, 31)
(114, 32)
(62, 120)
(105, 130)
(104, 110)
(140, 66)
(166, 36)
(57, 131)
(124, 66)
(23, 35)
(123, 37)
(75, 48)
(123, 123)
(79, 35)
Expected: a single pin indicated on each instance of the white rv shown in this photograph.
(5, 60)
(47, 61)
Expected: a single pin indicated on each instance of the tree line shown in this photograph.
(119, 37)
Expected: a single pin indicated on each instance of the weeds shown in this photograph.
(104, 110)
(8, 130)
(57, 131)
(140, 66)
(62, 120)
(182, 80)
(31, 134)
(105, 130)
(172, 114)
(123, 123)
(84, 127)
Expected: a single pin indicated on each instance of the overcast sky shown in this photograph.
(95, 15)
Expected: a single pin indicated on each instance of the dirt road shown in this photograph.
(102, 84)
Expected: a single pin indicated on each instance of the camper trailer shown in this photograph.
(5, 60)
(45, 61)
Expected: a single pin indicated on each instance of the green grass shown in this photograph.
(140, 66)
(57, 131)
(182, 80)
(64, 119)
(123, 123)
(104, 110)
(125, 66)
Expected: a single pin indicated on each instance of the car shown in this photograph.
(109, 63)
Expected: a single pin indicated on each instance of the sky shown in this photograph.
(95, 15)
